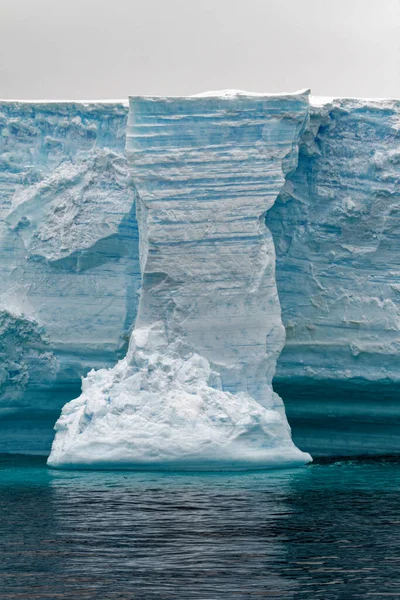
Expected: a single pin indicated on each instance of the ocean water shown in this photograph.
(328, 530)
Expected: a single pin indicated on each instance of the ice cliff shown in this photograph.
(336, 231)
(195, 389)
(70, 271)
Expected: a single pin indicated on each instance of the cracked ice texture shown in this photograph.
(68, 256)
(195, 389)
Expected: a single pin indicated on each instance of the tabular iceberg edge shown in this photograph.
(195, 390)
(70, 272)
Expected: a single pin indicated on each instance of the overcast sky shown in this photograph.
(87, 49)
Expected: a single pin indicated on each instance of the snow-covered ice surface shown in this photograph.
(194, 390)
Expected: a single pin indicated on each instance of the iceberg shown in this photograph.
(71, 174)
(195, 388)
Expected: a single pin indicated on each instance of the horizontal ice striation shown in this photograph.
(68, 257)
(194, 390)
(69, 268)
(336, 228)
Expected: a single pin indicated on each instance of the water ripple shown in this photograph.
(326, 531)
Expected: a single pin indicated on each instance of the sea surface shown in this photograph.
(327, 530)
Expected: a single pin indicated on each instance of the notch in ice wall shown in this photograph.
(194, 390)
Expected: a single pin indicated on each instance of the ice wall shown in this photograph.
(194, 390)
(69, 270)
(336, 231)
(68, 258)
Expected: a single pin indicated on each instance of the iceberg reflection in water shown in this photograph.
(296, 533)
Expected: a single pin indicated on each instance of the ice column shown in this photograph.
(195, 389)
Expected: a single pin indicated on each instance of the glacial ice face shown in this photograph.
(335, 225)
(194, 390)
(69, 271)
(62, 217)
(69, 257)
(157, 408)
(336, 232)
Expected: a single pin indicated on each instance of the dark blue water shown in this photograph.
(325, 531)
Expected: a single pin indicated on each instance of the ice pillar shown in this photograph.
(195, 389)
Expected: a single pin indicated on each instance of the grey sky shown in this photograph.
(73, 49)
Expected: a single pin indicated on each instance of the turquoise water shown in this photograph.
(328, 530)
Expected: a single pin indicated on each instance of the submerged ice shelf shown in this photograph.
(195, 389)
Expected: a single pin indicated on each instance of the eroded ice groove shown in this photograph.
(68, 257)
(336, 230)
(194, 390)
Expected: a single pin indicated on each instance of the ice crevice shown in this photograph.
(195, 388)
